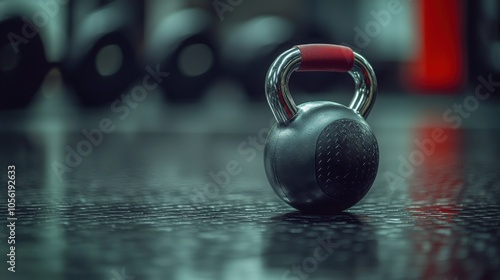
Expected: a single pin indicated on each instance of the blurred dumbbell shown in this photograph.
(101, 60)
(183, 44)
(23, 63)
(250, 48)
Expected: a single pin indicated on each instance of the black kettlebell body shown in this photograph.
(325, 159)
(320, 156)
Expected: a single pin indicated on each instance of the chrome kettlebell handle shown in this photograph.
(319, 57)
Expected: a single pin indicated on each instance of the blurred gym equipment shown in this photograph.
(101, 60)
(184, 45)
(439, 63)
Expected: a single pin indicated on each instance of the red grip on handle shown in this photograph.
(323, 57)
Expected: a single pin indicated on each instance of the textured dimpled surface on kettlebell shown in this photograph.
(346, 160)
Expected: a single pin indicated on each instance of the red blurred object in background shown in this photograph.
(439, 65)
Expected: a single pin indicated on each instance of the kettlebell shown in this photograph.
(321, 156)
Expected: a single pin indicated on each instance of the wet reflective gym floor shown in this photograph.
(154, 198)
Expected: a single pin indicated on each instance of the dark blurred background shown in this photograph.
(99, 49)
(122, 118)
